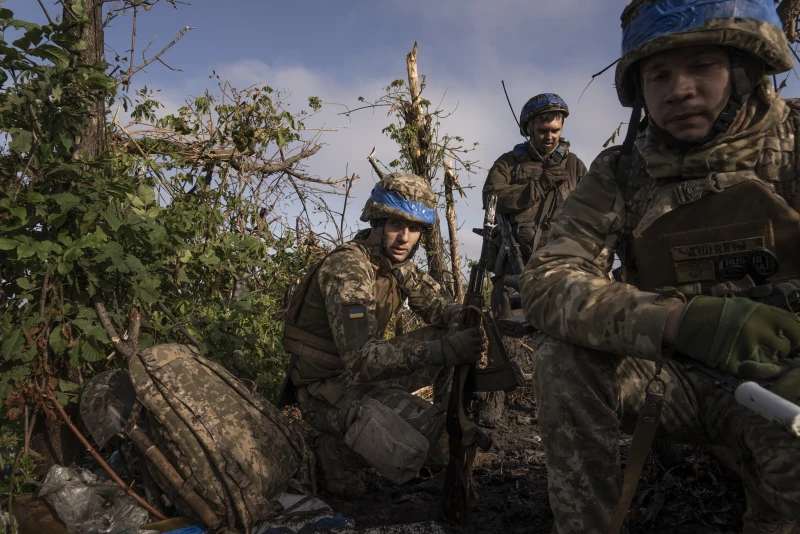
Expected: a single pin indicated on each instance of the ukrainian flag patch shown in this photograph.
(356, 311)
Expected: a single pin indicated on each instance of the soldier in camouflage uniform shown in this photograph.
(534, 178)
(702, 189)
(530, 182)
(352, 384)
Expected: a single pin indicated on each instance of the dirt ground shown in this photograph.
(683, 491)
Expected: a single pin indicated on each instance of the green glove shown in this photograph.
(739, 336)
(460, 348)
(788, 385)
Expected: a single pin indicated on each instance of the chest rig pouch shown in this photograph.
(745, 230)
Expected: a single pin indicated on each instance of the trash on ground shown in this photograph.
(89, 505)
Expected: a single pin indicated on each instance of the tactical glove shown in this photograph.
(739, 336)
(788, 385)
(453, 315)
(460, 348)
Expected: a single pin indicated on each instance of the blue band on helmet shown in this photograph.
(543, 101)
(666, 17)
(415, 210)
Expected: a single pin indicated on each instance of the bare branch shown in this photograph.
(44, 10)
(178, 36)
(368, 106)
(374, 163)
(129, 75)
(101, 461)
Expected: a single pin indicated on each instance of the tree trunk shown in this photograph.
(92, 141)
(418, 152)
(450, 180)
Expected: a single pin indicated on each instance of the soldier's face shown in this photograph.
(399, 239)
(686, 89)
(545, 134)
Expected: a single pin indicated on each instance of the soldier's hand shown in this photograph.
(454, 315)
(463, 347)
(739, 336)
(788, 385)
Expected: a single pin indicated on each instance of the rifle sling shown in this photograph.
(548, 205)
(643, 436)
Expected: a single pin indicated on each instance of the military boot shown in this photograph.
(341, 470)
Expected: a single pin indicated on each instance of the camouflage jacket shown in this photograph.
(355, 292)
(567, 292)
(523, 183)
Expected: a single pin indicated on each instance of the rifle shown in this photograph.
(500, 374)
(509, 250)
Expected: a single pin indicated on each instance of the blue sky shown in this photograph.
(341, 50)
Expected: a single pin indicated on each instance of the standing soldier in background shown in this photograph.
(530, 182)
(353, 386)
(698, 207)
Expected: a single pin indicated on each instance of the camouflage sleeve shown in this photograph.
(511, 198)
(425, 296)
(347, 282)
(566, 290)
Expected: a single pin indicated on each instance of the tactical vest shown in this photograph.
(307, 334)
(552, 180)
(707, 234)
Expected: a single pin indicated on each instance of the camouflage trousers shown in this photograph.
(587, 397)
(383, 423)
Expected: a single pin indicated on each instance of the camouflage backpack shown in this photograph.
(235, 450)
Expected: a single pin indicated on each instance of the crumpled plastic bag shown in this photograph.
(307, 515)
(88, 505)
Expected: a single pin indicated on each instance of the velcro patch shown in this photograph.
(356, 311)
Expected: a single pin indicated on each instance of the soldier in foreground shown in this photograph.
(530, 183)
(353, 386)
(697, 207)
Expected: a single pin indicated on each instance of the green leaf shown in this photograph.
(8, 244)
(56, 340)
(209, 258)
(90, 354)
(185, 256)
(20, 213)
(12, 344)
(112, 218)
(146, 193)
(24, 283)
(66, 201)
(21, 140)
(68, 387)
(25, 249)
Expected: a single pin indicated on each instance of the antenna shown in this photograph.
(513, 113)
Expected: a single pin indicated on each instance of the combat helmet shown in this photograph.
(401, 196)
(541, 104)
(652, 26)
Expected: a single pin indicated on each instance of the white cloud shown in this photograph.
(487, 32)
(480, 113)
